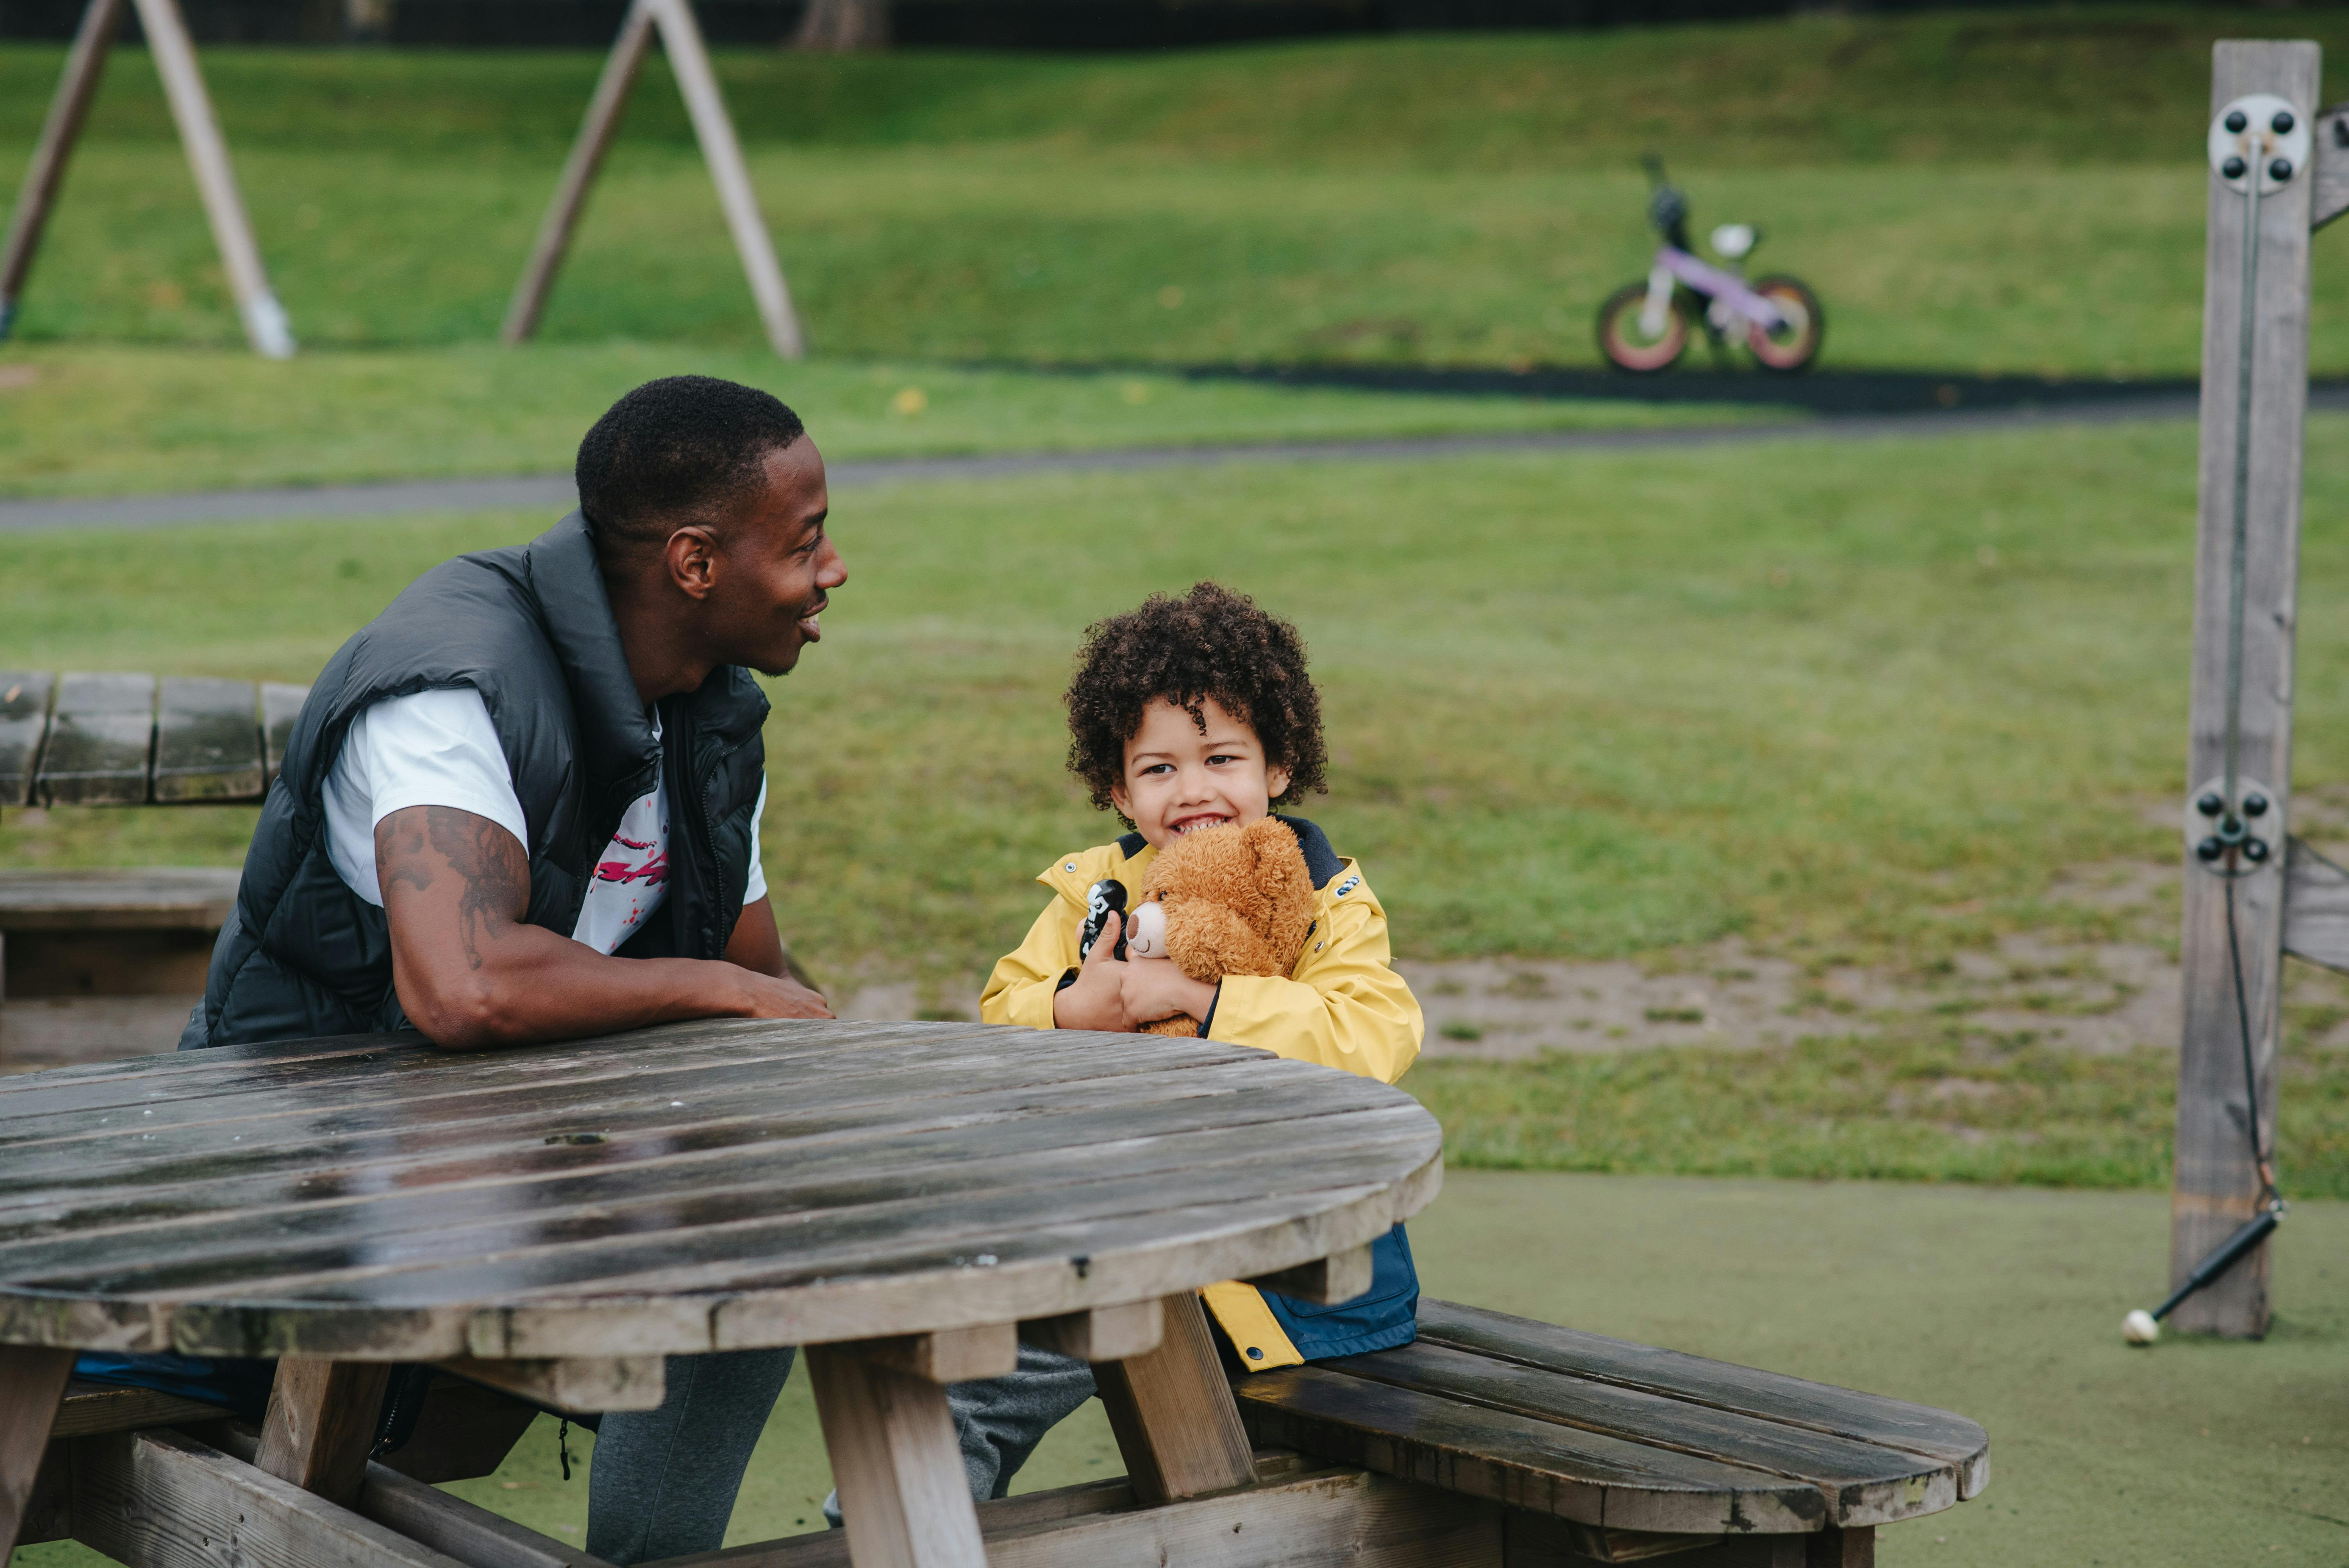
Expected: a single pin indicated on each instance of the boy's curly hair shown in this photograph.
(1210, 643)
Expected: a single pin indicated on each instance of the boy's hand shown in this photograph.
(1119, 996)
(1158, 988)
(1097, 998)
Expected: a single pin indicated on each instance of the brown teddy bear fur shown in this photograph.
(1238, 902)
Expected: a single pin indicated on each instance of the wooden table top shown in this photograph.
(708, 1186)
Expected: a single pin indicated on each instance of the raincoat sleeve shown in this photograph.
(1344, 1006)
(1026, 979)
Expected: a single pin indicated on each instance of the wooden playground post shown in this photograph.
(2244, 911)
(265, 326)
(697, 83)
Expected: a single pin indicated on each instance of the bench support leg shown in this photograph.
(32, 1386)
(1176, 1422)
(904, 1493)
(321, 1423)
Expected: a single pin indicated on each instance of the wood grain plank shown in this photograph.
(207, 741)
(101, 736)
(32, 1386)
(1865, 1484)
(1794, 1401)
(24, 725)
(1173, 1413)
(734, 1184)
(897, 1464)
(143, 1160)
(576, 1384)
(113, 899)
(1101, 1332)
(868, 1250)
(849, 1292)
(2216, 1184)
(2316, 901)
(92, 1408)
(1309, 1519)
(281, 705)
(163, 1499)
(472, 1535)
(321, 1422)
(947, 1356)
(1325, 1281)
(1519, 1461)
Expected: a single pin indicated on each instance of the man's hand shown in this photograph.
(469, 973)
(757, 948)
(1119, 996)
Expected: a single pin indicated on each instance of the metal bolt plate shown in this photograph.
(2237, 857)
(2258, 144)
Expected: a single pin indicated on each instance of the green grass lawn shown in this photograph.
(2003, 1305)
(1993, 191)
(106, 419)
(1853, 703)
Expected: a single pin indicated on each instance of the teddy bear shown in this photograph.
(1224, 901)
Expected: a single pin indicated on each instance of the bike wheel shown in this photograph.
(1794, 345)
(1623, 340)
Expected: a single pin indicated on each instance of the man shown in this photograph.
(524, 805)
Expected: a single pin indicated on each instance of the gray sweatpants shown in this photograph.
(999, 1420)
(663, 1481)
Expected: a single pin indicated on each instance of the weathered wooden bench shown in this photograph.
(1559, 1449)
(135, 740)
(1603, 1450)
(113, 957)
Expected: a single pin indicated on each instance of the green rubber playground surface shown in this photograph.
(2003, 1305)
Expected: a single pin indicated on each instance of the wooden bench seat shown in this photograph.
(1604, 1451)
(118, 739)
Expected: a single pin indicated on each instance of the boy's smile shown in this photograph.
(1180, 777)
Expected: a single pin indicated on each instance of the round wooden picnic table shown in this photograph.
(906, 1200)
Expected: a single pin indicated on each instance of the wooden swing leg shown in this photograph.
(75, 87)
(265, 326)
(595, 134)
(32, 1385)
(681, 34)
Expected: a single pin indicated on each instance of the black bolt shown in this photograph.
(2209, 849)
(2210, 805)
(2236, 121)
(2255, 805)
(2233, 168)
(2281, 123)
(2255, 850)
(2280, 171)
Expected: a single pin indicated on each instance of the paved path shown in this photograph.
(549, 492)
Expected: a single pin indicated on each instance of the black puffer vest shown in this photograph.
(531, 630)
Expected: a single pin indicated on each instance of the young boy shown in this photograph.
(1187, 714)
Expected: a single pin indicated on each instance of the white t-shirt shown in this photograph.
(439, 748)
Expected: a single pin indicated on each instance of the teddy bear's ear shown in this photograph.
(1286, 886)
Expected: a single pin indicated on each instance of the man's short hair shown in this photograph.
(679, 450)
(1209, 642)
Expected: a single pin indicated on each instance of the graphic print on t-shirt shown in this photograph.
(632, 877)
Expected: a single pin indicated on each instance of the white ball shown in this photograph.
(2139, 1328)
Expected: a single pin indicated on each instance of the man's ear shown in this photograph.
(690, 557)
(1275, 782)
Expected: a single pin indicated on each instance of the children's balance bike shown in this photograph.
(1645, 327)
